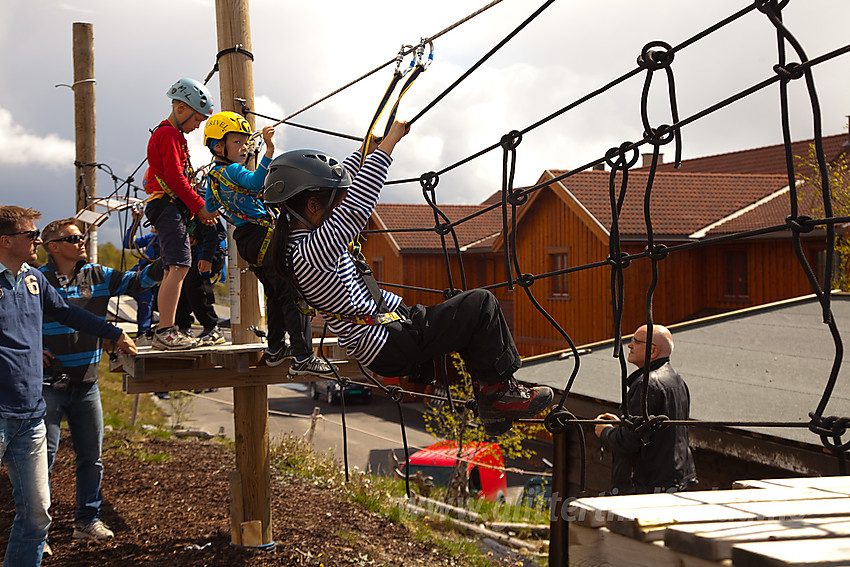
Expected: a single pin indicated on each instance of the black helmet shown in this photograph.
(292, 172)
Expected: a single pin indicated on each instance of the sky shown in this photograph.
(305, 50)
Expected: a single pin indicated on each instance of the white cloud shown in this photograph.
(21, 148)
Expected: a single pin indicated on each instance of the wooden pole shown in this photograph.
(250, 403)
(84, 124)
(558, 531)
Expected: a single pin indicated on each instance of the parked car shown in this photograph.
(484, 461)
(331, 391)
(537, 492)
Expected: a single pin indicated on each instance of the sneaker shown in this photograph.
(172, 339)
(277, 357)
(96, 530)
(500, 404)
(311, 365)
(211, 337)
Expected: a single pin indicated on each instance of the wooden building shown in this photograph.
(569, 223)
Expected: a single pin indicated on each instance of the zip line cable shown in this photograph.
(407, 51)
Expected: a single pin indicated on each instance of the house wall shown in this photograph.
(550, 227)
(690, 282)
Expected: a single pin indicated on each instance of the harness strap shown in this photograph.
(218, 179)
(384, 315)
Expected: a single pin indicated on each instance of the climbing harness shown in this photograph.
(216, 180)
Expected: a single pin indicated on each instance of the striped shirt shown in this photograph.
(325, 270)
(90, 288)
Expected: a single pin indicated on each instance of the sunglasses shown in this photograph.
(32, 234)
(71, 239)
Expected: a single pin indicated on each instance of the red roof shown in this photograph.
(477, 233)
(681, 203)
(772, 212)
(765, 160)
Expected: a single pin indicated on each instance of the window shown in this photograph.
(735, 265)
(560, 284)
(377, 265)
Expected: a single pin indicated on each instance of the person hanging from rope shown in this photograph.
(173, 201)
(327, 204)
(236, 190)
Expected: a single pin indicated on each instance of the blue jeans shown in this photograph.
(80, 404)
(24, 452)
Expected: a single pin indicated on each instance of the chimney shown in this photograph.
(647, 159)
(599, 167)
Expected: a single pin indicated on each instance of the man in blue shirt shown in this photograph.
(25, 296)
(71, 389)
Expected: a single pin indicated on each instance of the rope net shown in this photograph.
(655, 58)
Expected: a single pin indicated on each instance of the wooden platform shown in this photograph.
(219, 366)
(764, 523)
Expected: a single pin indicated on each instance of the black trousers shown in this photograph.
(196, 297)
(470, 323)
(281, 312)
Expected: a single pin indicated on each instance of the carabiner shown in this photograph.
(405, 49)
(420, 53)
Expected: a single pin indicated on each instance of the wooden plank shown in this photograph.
(236, 509)
(648, 524)
(836, 484)
(714, 541)
(599, 547)
(831, 552)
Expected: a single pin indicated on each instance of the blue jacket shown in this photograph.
(90, 288)
(249, 205)
(21, 312)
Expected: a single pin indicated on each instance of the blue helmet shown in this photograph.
(193, 93)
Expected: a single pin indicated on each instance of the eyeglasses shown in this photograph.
(640, 342)
(71, 239)
(32, 234)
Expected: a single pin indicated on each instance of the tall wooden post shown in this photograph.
(84, 124)
(559, 528)
(251, 419)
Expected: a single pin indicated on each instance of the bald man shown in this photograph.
(661, 461)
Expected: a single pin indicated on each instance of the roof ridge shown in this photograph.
(740, 212)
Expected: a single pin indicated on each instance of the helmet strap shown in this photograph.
(301, 219)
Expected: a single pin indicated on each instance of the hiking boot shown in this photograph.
(96, 530)
(500, 404)
(172, 339)
(277, 357)
(311, 365)
(211, 337)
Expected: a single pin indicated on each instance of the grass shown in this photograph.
(294, 458)
(118, 406)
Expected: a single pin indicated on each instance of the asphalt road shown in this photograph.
(373, 429)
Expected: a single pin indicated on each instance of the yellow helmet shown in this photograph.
(221, 124)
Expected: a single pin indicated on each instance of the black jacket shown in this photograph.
(662, 461)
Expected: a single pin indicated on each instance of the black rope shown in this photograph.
(236, 49)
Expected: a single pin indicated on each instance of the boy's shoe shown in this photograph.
(211, 337)
(96, 530)
(277, 357)
(172, 339)
(500, 404)
(311, 365)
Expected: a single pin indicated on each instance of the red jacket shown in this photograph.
(168, 159)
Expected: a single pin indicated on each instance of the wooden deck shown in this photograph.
(761, 523)
(219, 366)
